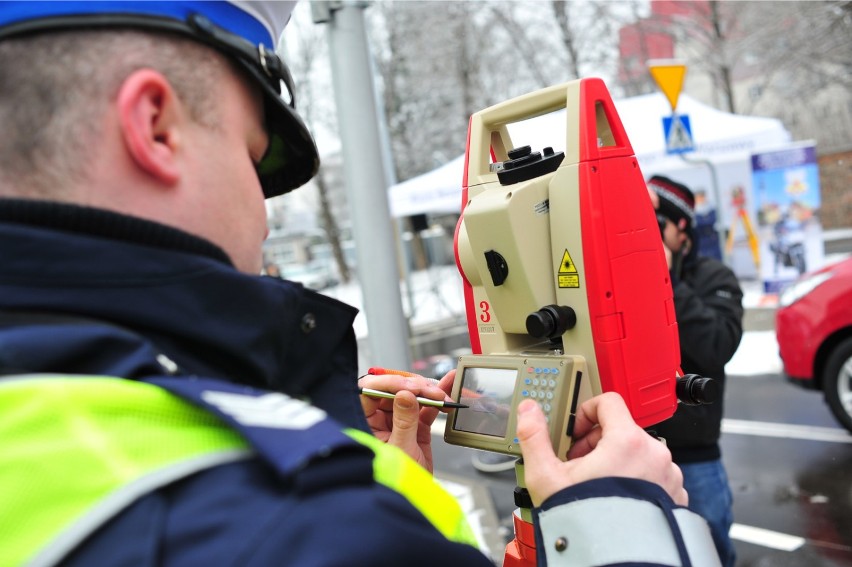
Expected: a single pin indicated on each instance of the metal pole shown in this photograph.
(365, 175)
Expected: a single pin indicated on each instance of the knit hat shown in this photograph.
(245, 31)
(676, 200)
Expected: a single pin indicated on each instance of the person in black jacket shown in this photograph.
(708, 306)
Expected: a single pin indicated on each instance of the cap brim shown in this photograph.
(292, 158)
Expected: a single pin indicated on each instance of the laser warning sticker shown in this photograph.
(567, 273)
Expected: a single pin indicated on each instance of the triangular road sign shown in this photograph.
(669, 77)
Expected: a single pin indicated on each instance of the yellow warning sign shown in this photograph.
(567, 266)
(568, 276)
(669, 76)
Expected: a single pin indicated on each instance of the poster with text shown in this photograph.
(787, 194)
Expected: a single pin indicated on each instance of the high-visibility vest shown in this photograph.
(76, 451)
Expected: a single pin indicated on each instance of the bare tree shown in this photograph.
(707, 33)
(569, 39)
(634, 30)
(790, 59)
(431, 60)
(808, 45)
(442, 61)
(309, 52)
(586, 32)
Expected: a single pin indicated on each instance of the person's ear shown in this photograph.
(149, 116)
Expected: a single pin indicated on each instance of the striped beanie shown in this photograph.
(676, 200)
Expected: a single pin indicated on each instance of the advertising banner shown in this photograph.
(787, 194)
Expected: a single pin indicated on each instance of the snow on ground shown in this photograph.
(757, 354)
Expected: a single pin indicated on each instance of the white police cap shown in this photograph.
(245, 31)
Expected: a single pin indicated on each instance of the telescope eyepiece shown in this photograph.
(695, 390)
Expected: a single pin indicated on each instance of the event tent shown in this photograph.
(719, 137)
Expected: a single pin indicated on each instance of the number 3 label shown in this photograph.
(485, 315)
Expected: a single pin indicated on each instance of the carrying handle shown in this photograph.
(593, 129)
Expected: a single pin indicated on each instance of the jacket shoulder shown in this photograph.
(710, 273)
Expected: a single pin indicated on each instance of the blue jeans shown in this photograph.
(710, 497)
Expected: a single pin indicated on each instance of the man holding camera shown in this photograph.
(708, 306)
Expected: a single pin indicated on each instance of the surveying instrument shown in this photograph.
(566, 286)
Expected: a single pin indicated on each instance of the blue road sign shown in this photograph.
(678, 134)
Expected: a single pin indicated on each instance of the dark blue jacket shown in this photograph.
(105, 293)
(98, 293)
(88, 292)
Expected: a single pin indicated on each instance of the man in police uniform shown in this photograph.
(165, 405)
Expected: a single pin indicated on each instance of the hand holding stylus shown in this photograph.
(404, 421)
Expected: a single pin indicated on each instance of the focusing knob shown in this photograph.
(695, 390)
(551, 321)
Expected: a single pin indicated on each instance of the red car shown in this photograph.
(813, 326)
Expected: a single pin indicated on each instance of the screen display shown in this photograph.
(488, 393)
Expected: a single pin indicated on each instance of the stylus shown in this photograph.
(422, 401)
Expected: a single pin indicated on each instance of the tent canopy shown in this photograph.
(716, 134)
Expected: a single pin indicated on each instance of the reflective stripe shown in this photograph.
(123, 497)
(75, 451)
(615, 530)
(397, 471)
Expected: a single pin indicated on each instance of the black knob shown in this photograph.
(551, 321)
(516, 153)
(497, 267)
(695, 390)
(523, 498)
(524, 164)
(523, 160)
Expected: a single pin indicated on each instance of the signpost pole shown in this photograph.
(669, 75)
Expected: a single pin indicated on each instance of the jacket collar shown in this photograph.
(128, 299)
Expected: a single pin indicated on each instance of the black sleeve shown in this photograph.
(708, 305)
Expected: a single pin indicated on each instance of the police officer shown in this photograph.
(162, 403)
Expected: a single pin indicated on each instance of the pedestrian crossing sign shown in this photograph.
(678, 134)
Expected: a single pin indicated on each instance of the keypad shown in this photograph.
(540, 385)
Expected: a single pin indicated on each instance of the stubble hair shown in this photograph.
(55, 87)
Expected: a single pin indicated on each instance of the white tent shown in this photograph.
(437, 191)
(719, 137)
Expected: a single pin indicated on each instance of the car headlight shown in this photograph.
(797, 290)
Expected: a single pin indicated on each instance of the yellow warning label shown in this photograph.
(568, 276)
(567, 266)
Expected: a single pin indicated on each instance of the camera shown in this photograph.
(661, 222)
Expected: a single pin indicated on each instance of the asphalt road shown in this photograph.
(788, 463)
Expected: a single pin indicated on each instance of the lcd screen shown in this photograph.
(488, 393)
